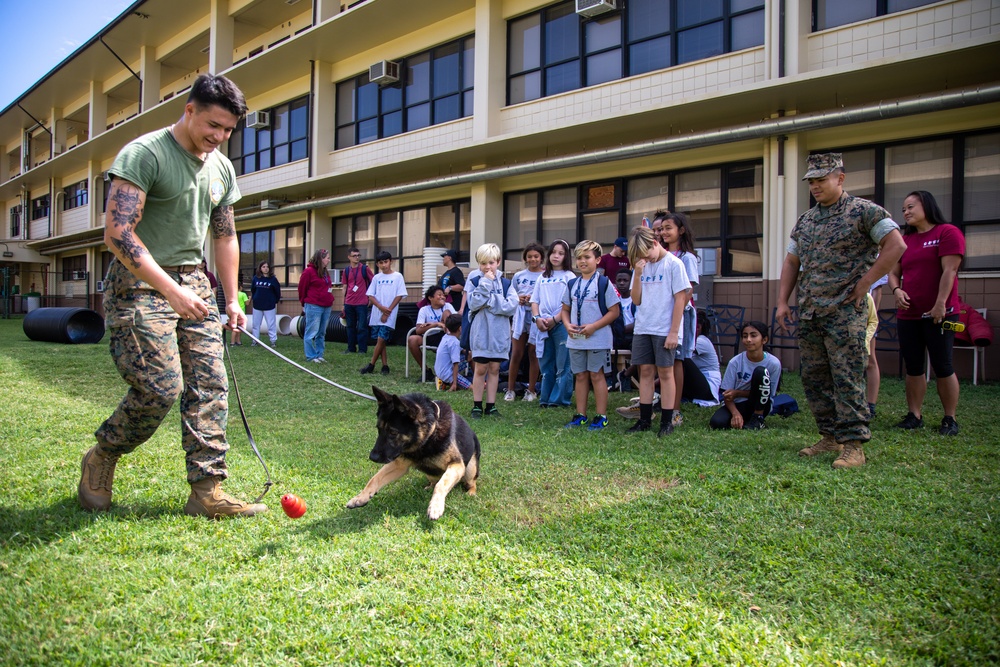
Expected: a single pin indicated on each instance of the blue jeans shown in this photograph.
(557, 380)
(357, 328)
(317, 317)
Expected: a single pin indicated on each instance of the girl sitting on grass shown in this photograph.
(751, 380)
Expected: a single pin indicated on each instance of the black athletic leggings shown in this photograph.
(915, 336)
(760, 399)
(695, 384)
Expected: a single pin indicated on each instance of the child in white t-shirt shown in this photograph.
(448, 361)
(589, 330)
(660, 291)
(521, 333)
(751, 381)
(384, 294)
(431, 316)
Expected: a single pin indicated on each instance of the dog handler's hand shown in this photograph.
(236, 316)
(187, 304)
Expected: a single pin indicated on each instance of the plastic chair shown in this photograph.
(726, 321)
(423, 351)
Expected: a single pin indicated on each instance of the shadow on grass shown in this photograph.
(51, 523)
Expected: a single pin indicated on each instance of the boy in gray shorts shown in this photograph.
(660, 290)
(590, 305)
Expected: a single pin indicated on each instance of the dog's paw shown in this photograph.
(435, 510)
(359, 500)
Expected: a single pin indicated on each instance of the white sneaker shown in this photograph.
(509, 396)
(530, 396)
(631, 411)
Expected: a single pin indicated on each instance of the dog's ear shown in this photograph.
(381, 396)
(406, 407)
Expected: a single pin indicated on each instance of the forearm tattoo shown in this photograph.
(223, 225)
(129, 248)
(125, 207)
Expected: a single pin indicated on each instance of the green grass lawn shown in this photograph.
(580, 548)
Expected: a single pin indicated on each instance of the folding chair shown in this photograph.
(726, 321)
(423, 351)
(887, 335)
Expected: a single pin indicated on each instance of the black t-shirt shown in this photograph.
(452, 276)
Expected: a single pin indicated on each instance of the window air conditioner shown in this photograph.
(78, 275)
(99, 286)
(591, 8)
(269, 204)
(384, 72)
(258, 120)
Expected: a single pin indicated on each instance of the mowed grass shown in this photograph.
(580, 548)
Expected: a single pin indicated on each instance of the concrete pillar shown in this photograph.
(326, 9)
(98, 119)
(149, 72)
(798, 18)
(487, 216)
(489, 96)
(220, 37)
(324, 109)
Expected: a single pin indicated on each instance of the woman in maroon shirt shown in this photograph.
(925, 286)
(316, 297)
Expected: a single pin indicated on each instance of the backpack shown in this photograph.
(618, 324)
(475, 283)
(784, 405)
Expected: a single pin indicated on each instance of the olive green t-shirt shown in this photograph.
(181, 191)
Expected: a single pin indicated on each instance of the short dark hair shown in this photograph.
(218, 90)
(627, 272)
(432, 290)
(453, 323)
(382, 256)
(537, 247)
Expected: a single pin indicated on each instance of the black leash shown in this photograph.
(243, 415)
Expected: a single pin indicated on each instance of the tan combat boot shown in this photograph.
(852, 456)
(97, 475)
(208, 499)
(825, 444)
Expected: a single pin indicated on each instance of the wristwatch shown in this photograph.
(534, 318)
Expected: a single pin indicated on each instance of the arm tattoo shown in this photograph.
(129, 247)
(223, 225)
(126, 206)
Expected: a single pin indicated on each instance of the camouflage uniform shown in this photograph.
(836, 246)
(163, 358)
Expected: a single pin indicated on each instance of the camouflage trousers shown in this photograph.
(833, 372)
(163, 358)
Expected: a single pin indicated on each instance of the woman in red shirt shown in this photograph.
(316, 297)
(925, 286)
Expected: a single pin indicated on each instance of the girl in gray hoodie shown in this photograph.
(492, 301)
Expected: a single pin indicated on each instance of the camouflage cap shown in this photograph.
(821, 164)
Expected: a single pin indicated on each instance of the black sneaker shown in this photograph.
(370, 368)
(385, 370)
(477, 413)
(910, 422)
(429, 375)
(754, 423)
(666, 428)
(493, 412)
(642, 425)
(948, 426)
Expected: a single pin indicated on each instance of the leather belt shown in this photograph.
(183, 268)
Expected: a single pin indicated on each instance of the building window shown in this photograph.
(15, 222)
(725, 205)
(40, 207)
(555, 50)
(76, 196)
(282, 247)
(834, 13)
(74, 268)
(961, 171)
(285, 140)
(404, 233)
(435, 86)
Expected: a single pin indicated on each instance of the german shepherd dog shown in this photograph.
(414, 431)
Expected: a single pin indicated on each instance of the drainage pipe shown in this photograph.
(908, 106)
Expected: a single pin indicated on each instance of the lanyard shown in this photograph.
(580, 296)
(437, 314)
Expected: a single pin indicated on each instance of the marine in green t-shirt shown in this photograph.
(169, 188)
